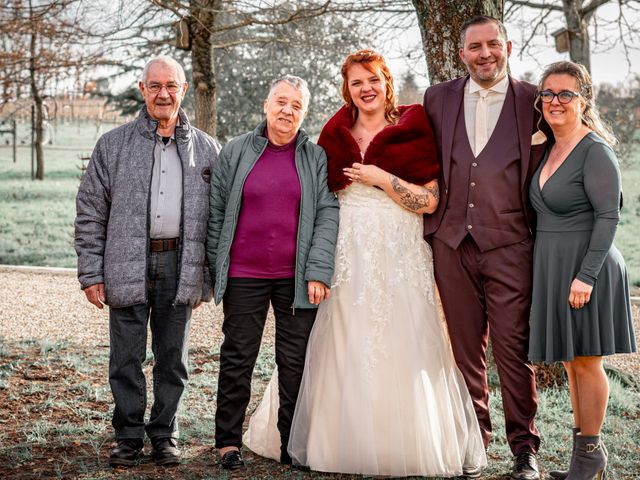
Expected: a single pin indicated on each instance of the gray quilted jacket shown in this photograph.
(112, 222)
(318, 221)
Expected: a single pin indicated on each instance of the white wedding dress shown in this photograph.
(381, 394)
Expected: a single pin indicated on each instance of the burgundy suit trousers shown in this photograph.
(489, 294)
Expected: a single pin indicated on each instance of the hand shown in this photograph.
(318, 291)
(366, 174)
(579, 294)
(95, 294)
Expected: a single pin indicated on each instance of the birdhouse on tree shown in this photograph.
(561, 38)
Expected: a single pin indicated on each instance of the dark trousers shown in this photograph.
(246, 303)
(489, 293)
(169, 335)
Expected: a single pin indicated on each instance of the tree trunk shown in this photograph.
(37, 99)
(440, 22)
(204, 14)
(577, 24)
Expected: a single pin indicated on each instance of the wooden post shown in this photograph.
(15, 141)
(33, 141)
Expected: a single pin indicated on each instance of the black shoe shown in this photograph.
(126, 453)
(232, 460)
(165, 451)
(525, 467)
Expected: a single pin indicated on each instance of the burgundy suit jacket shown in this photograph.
(442, 103)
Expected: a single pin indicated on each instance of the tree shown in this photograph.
(577, 16)
(215, 25)
(40, 47)
(312, 48)
(409, 92)
(244, 53)
(440, 22)
(620, 107)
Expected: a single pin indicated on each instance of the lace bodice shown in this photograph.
(380, 247)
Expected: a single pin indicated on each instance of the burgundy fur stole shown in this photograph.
(406, 150)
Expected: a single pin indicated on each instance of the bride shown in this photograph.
(381, 394)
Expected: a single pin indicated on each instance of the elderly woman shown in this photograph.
(581, 309)
(273, 224)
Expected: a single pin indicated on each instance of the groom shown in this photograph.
(481, 231)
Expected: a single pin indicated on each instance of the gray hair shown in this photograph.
(165, 60)
(297, 83)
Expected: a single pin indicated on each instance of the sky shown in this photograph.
(606, 67)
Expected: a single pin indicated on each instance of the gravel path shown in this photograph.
(48, 305)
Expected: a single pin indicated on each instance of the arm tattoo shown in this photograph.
(434, 190)
(414, 201)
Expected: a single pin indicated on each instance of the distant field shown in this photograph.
(628, 234)
(36, 218)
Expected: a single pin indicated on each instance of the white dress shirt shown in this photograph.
(495, 101)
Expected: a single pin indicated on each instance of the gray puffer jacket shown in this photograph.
(318, 221)
(112, 222)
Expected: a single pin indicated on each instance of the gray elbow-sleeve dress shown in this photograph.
(578, 210)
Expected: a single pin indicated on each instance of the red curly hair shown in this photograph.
(374, 62)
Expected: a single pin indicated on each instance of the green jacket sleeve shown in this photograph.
(320, 262)
(217, 209)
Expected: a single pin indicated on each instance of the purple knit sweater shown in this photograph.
(264, 245)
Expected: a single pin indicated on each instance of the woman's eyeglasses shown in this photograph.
(565, 96)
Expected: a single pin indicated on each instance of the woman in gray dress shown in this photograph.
(580, 309)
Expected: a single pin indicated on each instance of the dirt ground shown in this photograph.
(55, 403)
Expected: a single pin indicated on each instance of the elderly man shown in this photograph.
(481, 232)
(139, 235)
(273, 225)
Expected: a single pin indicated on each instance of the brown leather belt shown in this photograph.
(164, 244)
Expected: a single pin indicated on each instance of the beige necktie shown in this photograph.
(481, 121)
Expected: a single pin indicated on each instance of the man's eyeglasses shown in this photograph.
(565, 96)
(156, 87)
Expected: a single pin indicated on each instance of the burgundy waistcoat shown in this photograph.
(484, 198)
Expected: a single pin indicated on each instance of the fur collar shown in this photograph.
(406, 149)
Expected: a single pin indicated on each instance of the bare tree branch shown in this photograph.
(592, 6)
(543, 6)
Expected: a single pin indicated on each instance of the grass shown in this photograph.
(36, 218)
(627, 236)
(56, 426)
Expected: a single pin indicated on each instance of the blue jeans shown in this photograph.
(169, 334)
